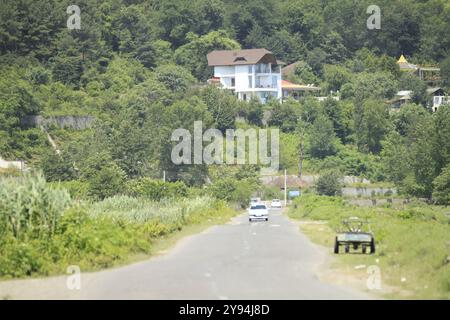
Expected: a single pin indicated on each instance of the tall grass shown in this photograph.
(141, 210)
(42, 231)
(29, 208)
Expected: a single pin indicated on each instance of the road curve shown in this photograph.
(238, 260)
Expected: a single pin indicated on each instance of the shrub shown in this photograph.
(156, 189)
(106, 182)
(441, 184)
(76, 188)
(329, 183)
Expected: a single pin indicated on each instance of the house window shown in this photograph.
(274, 81)
(262, 68)
(258, 82)
(250, 81)
(233, 82)
(250, 69)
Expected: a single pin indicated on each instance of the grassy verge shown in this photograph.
(42, 231)
(413, 242)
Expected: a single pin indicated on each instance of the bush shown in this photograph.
(77, 189)
(329, 183)
(156, 189)
(106, 182)
(441, 185)
(232, 190)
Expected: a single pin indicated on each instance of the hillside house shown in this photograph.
(428, 74)
(248, 73)
(402, 97)
(437, 98)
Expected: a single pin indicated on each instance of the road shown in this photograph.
(238, 260)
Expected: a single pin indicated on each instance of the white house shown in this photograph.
(438, 98)
(248, 73)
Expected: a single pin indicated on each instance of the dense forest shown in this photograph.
(139, 67)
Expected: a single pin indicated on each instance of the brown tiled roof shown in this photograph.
(289, 68)
(239, 57)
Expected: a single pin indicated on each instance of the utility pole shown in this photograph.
(285, 187)
(164, 175)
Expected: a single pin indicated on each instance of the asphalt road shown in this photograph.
(238, 260)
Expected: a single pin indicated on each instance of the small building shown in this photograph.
(402, 97)
(437, 98)
(429, 74)
(296, 91)
(248, 73)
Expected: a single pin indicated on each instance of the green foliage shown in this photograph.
(322, 141)
(222, 105)
(42, 231)
(234, 184)
(417, 86)
(156, 189)
(371, 124)
(329, 183)
(445, 72)
(252, 111)
(374, 85)
(284, 115)
(416, 154)
(192, 55)
(106, 182)
(176, 78)
(78, 190)
(303, 74)
(441, 187)
(29, 209)
(342, 116)
(336, 77)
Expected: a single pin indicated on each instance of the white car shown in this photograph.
(276, 204)
(258, 211)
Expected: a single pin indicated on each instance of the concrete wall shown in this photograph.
(19, 165)
(63, 122)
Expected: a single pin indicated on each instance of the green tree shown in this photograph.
(341, 114)
(441, 145)
(371, 124)
(441, 187)
(222, 105)
(176, 78)
(376, 85)
(322, 140)
(192, 55)
(336, 76)
(252, 111)
(284, 115)
(303, 73)
(329, 183)
(417, 86)
(445, 72)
